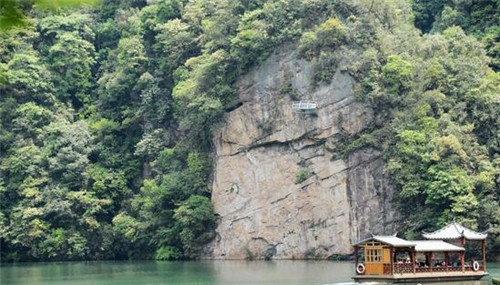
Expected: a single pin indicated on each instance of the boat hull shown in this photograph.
(421, 277)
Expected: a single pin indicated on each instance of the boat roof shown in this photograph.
(435, 246)
(390, 240)
(455, 231)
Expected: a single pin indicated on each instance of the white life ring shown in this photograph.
(475, 265)
(360, 268)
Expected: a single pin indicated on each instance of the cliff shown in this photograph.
(279, 191)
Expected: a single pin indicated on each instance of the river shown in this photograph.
(187, 273)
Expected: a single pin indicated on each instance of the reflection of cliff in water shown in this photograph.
(218, 272)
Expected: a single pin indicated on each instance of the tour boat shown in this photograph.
(440, 257)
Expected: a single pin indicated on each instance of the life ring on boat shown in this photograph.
(475, 265)
(360, 268)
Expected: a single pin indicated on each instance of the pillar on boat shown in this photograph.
(446, 260)
(392, 260)
(413, 261)
(356, 255)
(462, 254)
(430, 261)
(483, 247)
(462, 260)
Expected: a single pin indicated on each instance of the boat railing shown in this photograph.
(439, 269)
(454, 268)
(422, 269)
(449, 268)
(401, 268)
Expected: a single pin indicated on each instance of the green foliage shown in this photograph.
(68, 147)
(325, 67)
(347, 144)
(478, 18)
(323, 46)
(11, 15)
(168, 253)
(197, 219)
(196, 105)
(71, 60)
(108, 184)
(46, 4)
(176, 41)
(52, 26)
(252, 37)
(126, 226)
(119, 83)
(491, 41)
(61, 245)
(26, 79)
(301, 176)
(397, 74)
(326, 37)
(425, 12)
(30, 120)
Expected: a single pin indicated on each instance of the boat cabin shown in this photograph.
(440, 257)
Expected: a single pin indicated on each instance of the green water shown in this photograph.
(187, 273)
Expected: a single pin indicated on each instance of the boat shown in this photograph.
(440, 256)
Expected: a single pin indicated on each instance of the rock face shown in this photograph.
(266, 210)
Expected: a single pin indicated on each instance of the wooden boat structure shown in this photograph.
(440, 257)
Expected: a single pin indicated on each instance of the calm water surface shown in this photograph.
(189, 273)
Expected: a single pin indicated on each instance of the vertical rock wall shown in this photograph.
(264, 212)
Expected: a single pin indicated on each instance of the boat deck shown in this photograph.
(422, 277)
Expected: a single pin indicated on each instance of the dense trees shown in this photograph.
(480, 18)
(107, 111)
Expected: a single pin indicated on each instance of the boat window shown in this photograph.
(373, 255)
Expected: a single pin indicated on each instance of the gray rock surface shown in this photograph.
(263, 212)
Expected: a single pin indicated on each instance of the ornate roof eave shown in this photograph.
(459, 232)
(391, 240)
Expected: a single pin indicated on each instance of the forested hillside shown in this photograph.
(107, 113)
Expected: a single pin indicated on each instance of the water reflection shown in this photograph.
(190, 273)
(282, 272)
